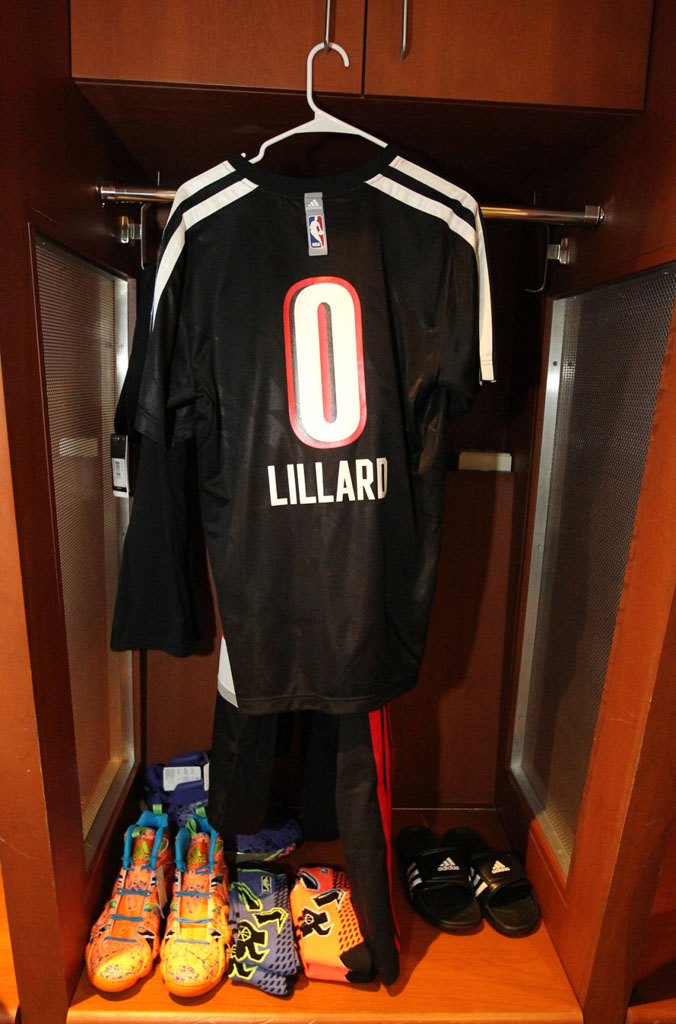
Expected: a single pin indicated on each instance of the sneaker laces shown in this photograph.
(186, 835)
(147, 821)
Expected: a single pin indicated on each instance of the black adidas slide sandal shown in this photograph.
(504, 893)
(436, 880)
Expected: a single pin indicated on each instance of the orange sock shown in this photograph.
(330, 942)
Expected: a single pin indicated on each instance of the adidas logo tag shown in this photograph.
(314, 205)
(448, 865)
(499, 867)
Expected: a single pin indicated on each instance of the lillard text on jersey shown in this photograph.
(298, 484)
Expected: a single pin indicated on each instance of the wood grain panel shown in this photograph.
(574, 53)
(446, 729)
(656, 971)
(180, 697)
(241, 43)
(661, 1012)
(56, 144)
(9, 997)
(598, 918)
(632, 175)
(14, 656)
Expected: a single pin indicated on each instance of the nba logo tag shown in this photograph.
(317, 244)
(316, 230)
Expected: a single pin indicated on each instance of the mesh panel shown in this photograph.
(613, 345)
(78, 313)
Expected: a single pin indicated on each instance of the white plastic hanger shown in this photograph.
(322, 121)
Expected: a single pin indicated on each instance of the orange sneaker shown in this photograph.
(124, 941)
(196, 945)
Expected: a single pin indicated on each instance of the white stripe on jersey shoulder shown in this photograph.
(188, 188)
(230, 194)
(421, 202)
(473, 235)
(174, 245)
(439, 184)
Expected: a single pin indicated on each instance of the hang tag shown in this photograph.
(174, 775)
(119, 461)
(317, 242)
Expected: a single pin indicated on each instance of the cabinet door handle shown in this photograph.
(327, 27)
(404, 29)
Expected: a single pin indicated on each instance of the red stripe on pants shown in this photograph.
(381, 741)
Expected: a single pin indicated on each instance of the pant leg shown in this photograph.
(364, 807)
(319, 734)
(243, 749)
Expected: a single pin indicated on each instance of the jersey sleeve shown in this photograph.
(160, 602)
(466, 357)
(163, 593)
(447, 276)
(167, 393)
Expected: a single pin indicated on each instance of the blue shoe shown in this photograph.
(180, 787)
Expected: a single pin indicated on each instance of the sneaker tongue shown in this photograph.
(143, 846)
(198, 854)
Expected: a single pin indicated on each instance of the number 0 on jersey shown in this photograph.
(324, 362)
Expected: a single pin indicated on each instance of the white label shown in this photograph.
(174, 775)
(119, 473)
(119, 462)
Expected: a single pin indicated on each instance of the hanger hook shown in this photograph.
(308, 81)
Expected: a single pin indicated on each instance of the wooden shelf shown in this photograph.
(9, 998)
(447, 979)
(661, 1012)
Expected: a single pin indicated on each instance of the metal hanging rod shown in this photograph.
(591, 216)
(109, 193)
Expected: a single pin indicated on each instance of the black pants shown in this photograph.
(346, 779)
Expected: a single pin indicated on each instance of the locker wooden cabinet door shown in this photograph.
(238, 43)
(578, 53)
(561, 52)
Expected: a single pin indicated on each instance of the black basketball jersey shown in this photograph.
(311, 336)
